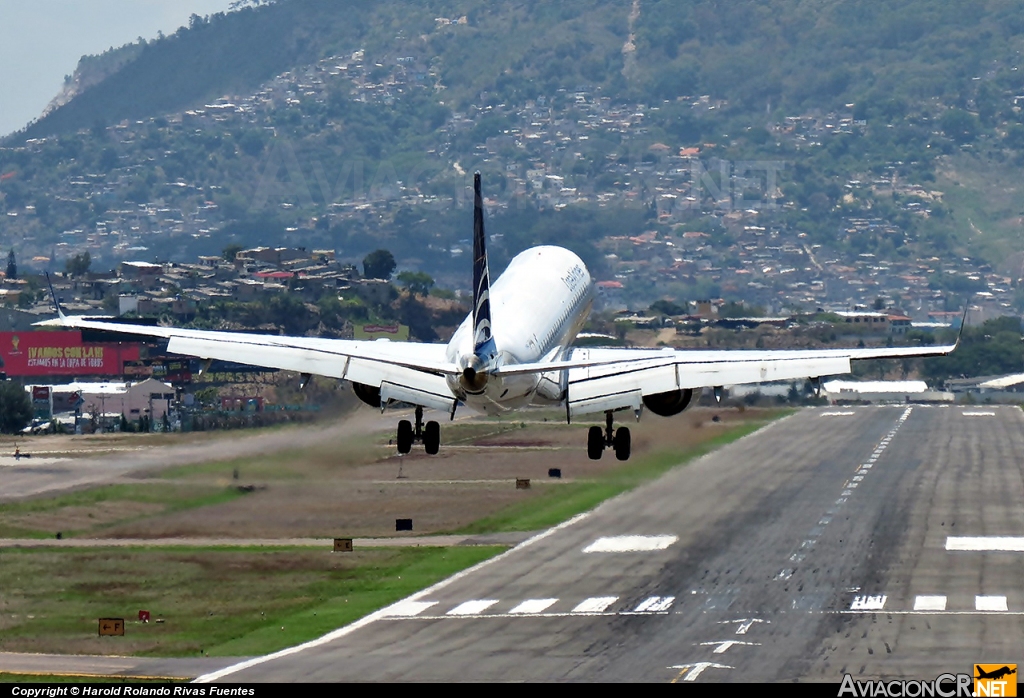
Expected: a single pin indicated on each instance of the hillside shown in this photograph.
(828, 151)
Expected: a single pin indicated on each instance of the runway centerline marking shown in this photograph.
(630, 544)
(1013, 544)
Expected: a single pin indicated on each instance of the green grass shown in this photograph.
(223, 602)
(163, 500)
(561, 503)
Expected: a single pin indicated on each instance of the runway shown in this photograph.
(813, 548)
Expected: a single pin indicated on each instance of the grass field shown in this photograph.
(223, 602)
(248, 600)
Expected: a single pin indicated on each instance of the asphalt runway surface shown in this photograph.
(827, 543)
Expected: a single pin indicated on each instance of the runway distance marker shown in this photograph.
(630, 544)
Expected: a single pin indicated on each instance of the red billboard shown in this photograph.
(61, 353)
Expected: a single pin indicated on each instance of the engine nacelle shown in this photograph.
(671, 403)
(367, 393)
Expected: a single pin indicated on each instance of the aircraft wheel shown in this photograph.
(622, 443)
(432, 438)
(404, 436)
(595, 443)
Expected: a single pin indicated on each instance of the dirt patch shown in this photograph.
(80, 518)
(309, 496)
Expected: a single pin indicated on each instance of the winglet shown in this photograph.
(963, 323)
(56, 303)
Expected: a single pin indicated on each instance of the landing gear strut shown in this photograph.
(429, 435)
(617, 439)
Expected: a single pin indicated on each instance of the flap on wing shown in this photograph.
(616, 386)
(403, 393)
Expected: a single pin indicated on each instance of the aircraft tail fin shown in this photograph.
(481, 277)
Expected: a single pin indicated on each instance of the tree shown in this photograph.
(15, 408)
(78, 265)
(231, 251)
(12, 266)
(379, 264)
(419, 283)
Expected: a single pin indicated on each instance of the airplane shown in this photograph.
(995, 673)
(514, 350)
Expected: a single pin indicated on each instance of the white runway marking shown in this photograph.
(697, 669)
(382, 613)
(836, 414)
(990, 603)
(744, 624)
(408, 609)
(655, 603)
(868, 603)
(630, 544)
(472, 608)
(930, 603)
(596, 604)
(978, 414)
(724, 645)
(1013, 544)
(534, 606)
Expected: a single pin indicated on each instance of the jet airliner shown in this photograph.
(514, 349)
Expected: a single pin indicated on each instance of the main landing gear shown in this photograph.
(429, 435)
(599, 439)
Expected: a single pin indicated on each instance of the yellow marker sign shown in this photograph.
(995, 680)
(114, 626)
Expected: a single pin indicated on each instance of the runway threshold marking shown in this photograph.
(655, 603)
(990, 603)
(596, 604)
(930, 603)
(472, 608)
(383, 613)
(630, 544)
(692, 671)
(533, 606)
(408, 609)
(1013, 544)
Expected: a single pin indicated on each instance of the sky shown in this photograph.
(42, 40)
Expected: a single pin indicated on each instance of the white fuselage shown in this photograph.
(538, 306)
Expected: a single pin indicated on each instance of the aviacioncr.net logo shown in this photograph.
(944, 686)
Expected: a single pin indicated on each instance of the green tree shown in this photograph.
(230, 251)
(419, 283)
(12, 265)
(78, 265)
(379, 264)
(15, 408)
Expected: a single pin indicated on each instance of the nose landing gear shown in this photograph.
(618, 440)
(429, 435)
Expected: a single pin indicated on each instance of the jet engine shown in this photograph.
(367, 393)
(671, 403)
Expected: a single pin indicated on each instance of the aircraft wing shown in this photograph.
(620, 378)
(404, 371)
